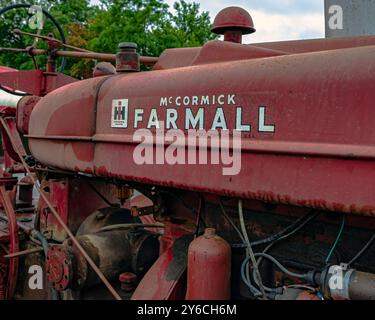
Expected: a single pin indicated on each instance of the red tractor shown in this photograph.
(104, 193)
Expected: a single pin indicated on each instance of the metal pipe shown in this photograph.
(23, 252)
(362, 286)
(132, 225)
(48, 39)
(9, 100)
(149, 61)
(13, 239)
(340, 283)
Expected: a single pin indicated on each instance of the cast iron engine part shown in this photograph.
(114, 252)
(105, 217)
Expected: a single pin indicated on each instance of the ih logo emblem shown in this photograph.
(120, 113)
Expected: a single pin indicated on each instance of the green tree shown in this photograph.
(66, 12)
(150, 24)
(100, 28)
(189, 27)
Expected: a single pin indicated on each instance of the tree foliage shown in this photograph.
(101, 27)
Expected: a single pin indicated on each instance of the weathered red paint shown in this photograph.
(128, 281)
(319, 95)
(233, 18)
(58, 267)
(160, 283)
(209, 268)
(325, 137)
(184, 57)
(34, 82)
(74, 200)
(7, 198)
(228, 51)
(233, 22)
(145, 60)
(171, 233)
(10, 155)
(314, 45)
(24, 108)
(6, 69)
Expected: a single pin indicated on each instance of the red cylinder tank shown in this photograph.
(209, 268)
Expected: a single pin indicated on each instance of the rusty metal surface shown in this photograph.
(114, 252)
(11, 155)
(75, 201)
(103, 69)
(12, 272)
(233, 18)
(177, 58)
(108, 57)
(314, 143)
(127, 59)
(227, 51)
(362, 286)
(314, 45)
(233, 22)
(59, 267)
(174, 58)
(23, 252)
(128, 281)
(24, 108)
(213, 52)
(212, 254)
(321, 156)
(164, 280)
(34, 82)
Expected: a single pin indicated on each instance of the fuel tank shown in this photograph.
(305, 123)
(209, 268)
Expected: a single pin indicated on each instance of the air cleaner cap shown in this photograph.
(233, 18)
(127, 59)
(127, 45)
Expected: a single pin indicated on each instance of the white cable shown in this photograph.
(249, 250)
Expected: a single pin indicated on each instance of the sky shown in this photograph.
(274, 20)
